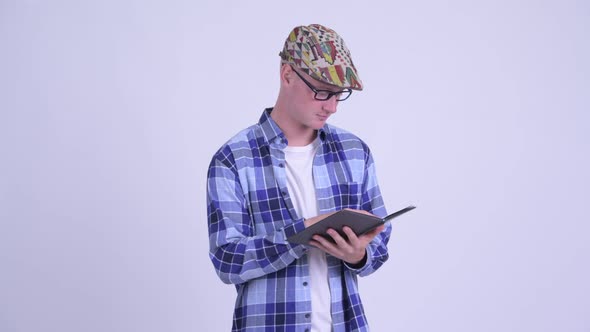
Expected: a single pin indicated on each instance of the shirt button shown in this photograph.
(305, 283)
(281, 165)
(307, 315)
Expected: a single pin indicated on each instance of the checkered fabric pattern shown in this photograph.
(250, 215)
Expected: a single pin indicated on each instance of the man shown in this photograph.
(285, 173)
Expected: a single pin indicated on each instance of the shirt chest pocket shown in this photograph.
(269, 215)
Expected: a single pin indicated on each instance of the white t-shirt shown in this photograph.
(299, 162)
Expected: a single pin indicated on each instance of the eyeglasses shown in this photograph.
(325, 94)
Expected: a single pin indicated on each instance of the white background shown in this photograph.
(476, 111)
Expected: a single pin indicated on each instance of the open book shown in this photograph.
(359, 222)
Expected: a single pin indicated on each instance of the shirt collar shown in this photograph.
(271, 130)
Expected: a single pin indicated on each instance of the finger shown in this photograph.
(322, 242)
(325, 245)
(314, 243)
(338, 239)
(380, 229)
(351, 235)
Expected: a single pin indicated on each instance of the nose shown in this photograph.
(330, 105)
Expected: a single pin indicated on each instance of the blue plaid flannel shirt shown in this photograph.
(250, 215)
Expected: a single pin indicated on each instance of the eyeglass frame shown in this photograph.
(330, 93)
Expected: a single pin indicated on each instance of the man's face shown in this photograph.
(306, 109)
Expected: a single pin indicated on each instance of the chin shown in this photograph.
(316, 125)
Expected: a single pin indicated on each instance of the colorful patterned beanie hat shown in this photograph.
(321, 53)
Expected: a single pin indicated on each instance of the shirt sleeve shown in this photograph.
(372, 201)
(237, 253)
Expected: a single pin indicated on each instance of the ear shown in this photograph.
(286, 74)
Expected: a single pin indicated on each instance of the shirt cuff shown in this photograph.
(357, 268)
(297, 250)
(294, 228)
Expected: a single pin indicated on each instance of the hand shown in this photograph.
(351, 250)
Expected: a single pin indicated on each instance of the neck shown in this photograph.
(296, 134)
